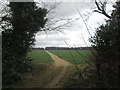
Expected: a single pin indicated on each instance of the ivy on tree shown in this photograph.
(21, 24)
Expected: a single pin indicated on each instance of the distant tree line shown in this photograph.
(63, 48)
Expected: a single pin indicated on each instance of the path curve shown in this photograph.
(58, 62)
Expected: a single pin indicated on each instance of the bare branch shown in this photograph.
(84, 22)
(53, 7)
(72, 57)
(55, 22)
(101, 8)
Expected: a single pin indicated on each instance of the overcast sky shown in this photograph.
(73, 35)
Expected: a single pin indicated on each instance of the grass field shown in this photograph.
(80, 56)
(40, 56)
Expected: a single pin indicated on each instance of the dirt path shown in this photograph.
(58, 62)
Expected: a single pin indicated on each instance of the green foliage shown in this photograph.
(107, 44)
(80, 57)
(38, 77)
(85, 78)
(40, 56)
(20, 25)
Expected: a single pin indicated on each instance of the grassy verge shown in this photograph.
(85, 78)
(42, 71)
(39, 77)
(79, 56)
(40, 56)
(71, 73)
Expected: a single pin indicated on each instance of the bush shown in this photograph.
(19, 25)
(106, 42)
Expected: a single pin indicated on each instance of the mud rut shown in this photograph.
(58, 62)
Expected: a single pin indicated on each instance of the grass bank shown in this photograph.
(39, 77)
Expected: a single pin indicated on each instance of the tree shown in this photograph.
(20, 25)
(107, 45)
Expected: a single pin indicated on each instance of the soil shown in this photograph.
(55, 83)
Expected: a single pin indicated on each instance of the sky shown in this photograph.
(75, 35)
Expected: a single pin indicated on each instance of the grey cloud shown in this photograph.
(73, 34)
(69, 8)
(49, 43)
(50, 40)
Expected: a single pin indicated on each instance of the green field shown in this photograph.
(78, 56)
(40, 56)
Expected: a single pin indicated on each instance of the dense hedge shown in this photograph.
(20, 25)
(106, 42)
